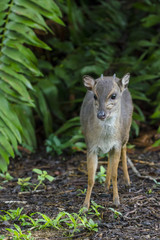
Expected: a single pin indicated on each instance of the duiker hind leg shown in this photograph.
(124, 166)
(92, 162)
(114, 161)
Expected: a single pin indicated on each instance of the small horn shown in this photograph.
(102, 76)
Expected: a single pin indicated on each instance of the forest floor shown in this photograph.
(137, 217)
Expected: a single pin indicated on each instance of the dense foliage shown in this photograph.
(19, 72)
(44, 87)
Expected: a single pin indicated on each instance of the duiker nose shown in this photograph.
(101, 115)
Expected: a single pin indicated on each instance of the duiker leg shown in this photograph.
(124, 165)
(114, 161)
(108, 176)
(92, 161)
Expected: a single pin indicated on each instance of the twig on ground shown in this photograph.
(138, 173)
(133, 211)
(17, 202)
(144, 162)
(31, 192)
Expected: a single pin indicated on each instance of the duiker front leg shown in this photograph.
(114, 157)
(124, 165)
(92, 161)
(108, 175)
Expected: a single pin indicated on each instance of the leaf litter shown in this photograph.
(137, 217)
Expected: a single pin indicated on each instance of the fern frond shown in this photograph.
(18, 64)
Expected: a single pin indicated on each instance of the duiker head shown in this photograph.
(107, 92)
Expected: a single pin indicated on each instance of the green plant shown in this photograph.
(94, 209)
(70, 223)
(103, 39)
(72, 138)
(24, 183)
(29, 221)
(11, 214)
(42, 176)
(2, 237)
(75, 221)
(90, 225)
(101, 175)
(150, 191)
(19, 71)
(157, 183)
(48, 222)
(116, 213)
(54, 145)
(81, 192)
(5, 217)
(17, 233)
(6, 176)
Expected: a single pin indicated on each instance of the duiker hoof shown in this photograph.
(116, 202)
(85, 207)
(127, 183)
(84, 210)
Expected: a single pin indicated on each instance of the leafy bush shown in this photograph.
(19, 71)
(110, 37)
(72, 138)
(101, 36)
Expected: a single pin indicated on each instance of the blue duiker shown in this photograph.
(106, 116)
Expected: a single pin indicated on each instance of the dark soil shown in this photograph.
(140, 204)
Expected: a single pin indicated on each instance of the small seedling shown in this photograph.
(149, 191)
(29, 221)
(156, 143)
(42, 176)
(17, 233)
(6, 176)
(4, 218)
(12, 214)
(94, 209)
(101, 176)
(24, 183)
(81, 192)
(116, 213)
(72, 221)
(91, 225)
(49, 222)
(130, 146)
(53, 145)
(157, 184)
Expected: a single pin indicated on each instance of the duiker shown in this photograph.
(106, 116)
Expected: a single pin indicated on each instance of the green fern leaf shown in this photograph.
(18, 65)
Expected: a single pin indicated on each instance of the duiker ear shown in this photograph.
(88, 82)
(125, 81)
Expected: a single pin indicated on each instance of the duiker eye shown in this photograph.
(113, 96)
(95, 97)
